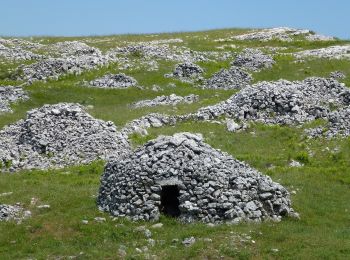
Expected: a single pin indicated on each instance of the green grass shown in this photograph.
(322, 185)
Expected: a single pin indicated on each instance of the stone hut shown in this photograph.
(183, 177)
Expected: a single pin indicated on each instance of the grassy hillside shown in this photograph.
(320, 189)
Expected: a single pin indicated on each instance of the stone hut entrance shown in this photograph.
(170, 201)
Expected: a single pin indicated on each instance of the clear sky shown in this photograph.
(101, 17)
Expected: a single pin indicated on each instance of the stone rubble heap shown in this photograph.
(338, 125)
(170, 100)
(75, 48)
(282, 34)
(232, 78)
(10, 94)
(282, 102)
(167, 52)
(17, 53)
(187, 72)
(59, 135)
(53, 68)
(212, 185)
(13, 213)
(21, 43)
(332, 52)
(253, 59)
(114, 81)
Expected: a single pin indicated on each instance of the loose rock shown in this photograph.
(114, 81)
(232, 78)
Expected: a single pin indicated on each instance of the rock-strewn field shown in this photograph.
(212, 185)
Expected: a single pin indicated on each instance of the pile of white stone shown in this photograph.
(207, 185)
(75, 48)
(59, 135)
(187, 72)
(146, 50)
(338, 125)
(282, 102)
(53, 68)
(114, 81)
(282, 34)
(13, 213)
(10, 94)
(17, 53)
(171, 100)
(253, 59)
(332, 52)
(232, 78)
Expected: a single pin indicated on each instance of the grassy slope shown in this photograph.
(322, 185)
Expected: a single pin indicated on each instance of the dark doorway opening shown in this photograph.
(169, 200)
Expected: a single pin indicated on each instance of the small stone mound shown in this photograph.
(338, 125)
(187, 72)
(232, 78)
(170, 100)
(10, 94)
(17, 53)
(184, 177)
(254, 60)
(114, 81)
(283, 102)
(56, 136)
(13, 213)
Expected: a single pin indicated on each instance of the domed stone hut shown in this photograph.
(184, 177)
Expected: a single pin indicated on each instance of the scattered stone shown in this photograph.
(170, 100)
(331, 52)
(85, 222)
(187, 72)
(337, 75)
(232, 126)
(45, 206)
(182, 176)
(232, 78)
(189, 241)
(9, 95)
(100, 219)
(114, 81)
(158, 225)
(146, 232)
(56, 136)
(6, 194)
(253, 60)
(296, 164)
(275, 250)
(282, 102)
(13, 213)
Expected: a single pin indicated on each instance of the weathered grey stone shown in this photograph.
(212, 186)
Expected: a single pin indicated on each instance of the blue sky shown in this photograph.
(101, 17)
